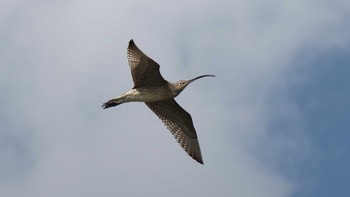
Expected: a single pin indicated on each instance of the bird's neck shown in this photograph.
(175, 90)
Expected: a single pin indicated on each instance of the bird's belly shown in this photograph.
(151, 94)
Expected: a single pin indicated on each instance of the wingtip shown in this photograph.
(201, 162)
(132, 44)
(198, 157)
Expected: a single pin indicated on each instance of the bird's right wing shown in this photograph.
(144, 71)
(180, 124)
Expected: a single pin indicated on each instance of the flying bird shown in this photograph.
(158, 94)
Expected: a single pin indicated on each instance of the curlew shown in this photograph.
(158, 94)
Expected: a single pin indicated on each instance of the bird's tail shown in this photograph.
(112, 103)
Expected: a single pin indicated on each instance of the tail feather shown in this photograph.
(111, 103)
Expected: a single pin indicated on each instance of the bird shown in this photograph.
(158, 94)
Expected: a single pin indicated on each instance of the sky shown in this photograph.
(274, 121)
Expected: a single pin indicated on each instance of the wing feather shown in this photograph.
(180, 124)
(144, 71)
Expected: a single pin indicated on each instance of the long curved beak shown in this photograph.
(192, 80)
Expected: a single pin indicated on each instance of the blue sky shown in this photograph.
(272, 123)
(324, 99)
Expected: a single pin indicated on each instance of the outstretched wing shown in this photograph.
(144, 71)
(180, 124)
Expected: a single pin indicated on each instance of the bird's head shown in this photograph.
(182, 84)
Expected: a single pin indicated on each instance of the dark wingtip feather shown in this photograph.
(200, 161)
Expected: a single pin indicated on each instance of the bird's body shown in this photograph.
(158, 94)
(147, 94)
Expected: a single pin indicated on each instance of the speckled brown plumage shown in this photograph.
(158, 94)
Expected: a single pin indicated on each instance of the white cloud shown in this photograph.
(63, 59)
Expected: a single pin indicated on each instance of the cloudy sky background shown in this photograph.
(274, 122)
